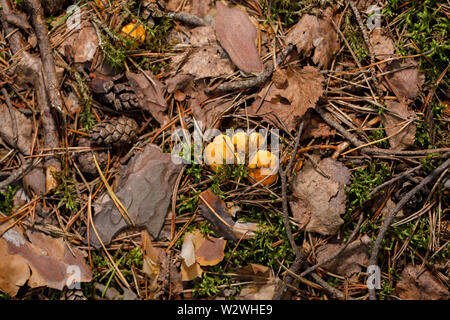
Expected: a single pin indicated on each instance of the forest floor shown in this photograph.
(117, 117)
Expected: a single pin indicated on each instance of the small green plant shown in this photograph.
(364, 180)
(378, 135)
(7, 199)
(208, 285)
(188, 203)
(66, 189)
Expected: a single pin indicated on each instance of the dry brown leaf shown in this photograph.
(352, 260)
(382, 46)
(210, 252)
(325, 196)
(145, 189)
(315, 127)
(420, 284)
(316, 34)
(202, 36)
(214, 210)
(237, 35)
(294, 92)
(301, 210)
(41, 261)
(203, 62)
(259, 291)
(24, 127)
(408, 81)
(85, 45)
(190, 273)
(393, 123)
(150, 94)
(254, 271)
(196, 7)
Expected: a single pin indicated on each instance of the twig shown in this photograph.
(187, 19)
(13, 119)
(390, 217)
(36, 12)
(254, 82)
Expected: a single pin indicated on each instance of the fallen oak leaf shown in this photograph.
(316, 34)
(404, 78)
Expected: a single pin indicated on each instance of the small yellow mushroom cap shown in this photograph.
(135, 32)
(262, 166)
(240, 141)
(219, 152)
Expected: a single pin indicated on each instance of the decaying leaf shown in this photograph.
(301, 210)
(407, 81)
(203, 62)
(237, 35)
(215, 211)
(199, 250)
(393, 123)
(325, 195)
(150, 94)
(382, 46)
(81, 45)
(418, 283)
(145, 189)
(259, 291)
(202, 36)
(293, 92)
(254, 271)
(352, 260)
(210, 252)
(196, 7)
(315, 127)
(41, 261)
(316, 34)
(23, 125)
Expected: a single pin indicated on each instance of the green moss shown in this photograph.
(7, 199)
(364, 180)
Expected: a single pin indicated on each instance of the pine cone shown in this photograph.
(121, 96)
(115, 131)
(416, 202)
(85, 160)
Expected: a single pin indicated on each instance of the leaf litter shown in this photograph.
(167, 228)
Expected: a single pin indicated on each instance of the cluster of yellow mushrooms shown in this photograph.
(242, 149)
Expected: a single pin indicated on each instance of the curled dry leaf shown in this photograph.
(293, 92)
(316, 127)
(41, 261)
(215, 211)
(237, 35)
(81, 45)
(199, 250)
(150, 94)
(352, 260)
(145, 189)
(394, 121)
(314, 34)
(407, 81)
(324, 195)
(382, 46)
(418, 283)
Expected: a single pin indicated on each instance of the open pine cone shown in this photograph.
(114, 132)
(120, 96)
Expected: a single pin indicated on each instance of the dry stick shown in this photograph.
(355, 141)
(299, 256)
(13, 119)
(388, 220)
(187, 19)
(254, 82)
(368, 46)
(36, 12)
